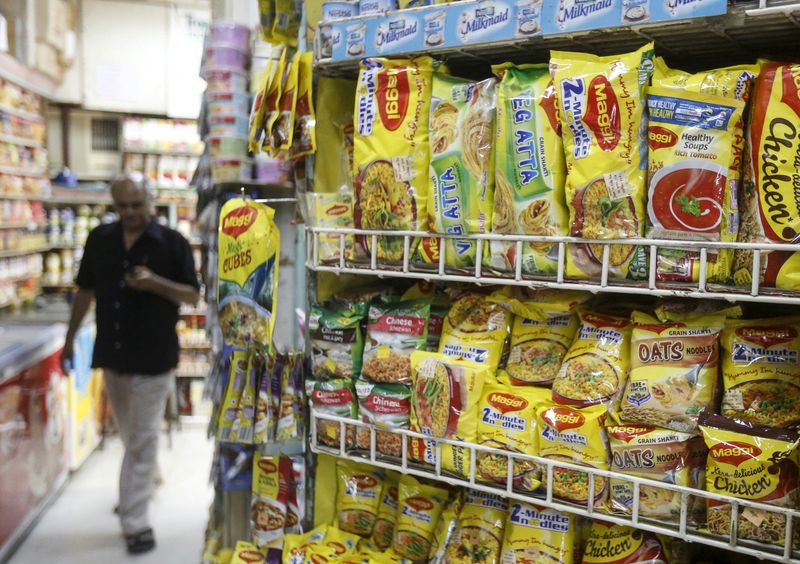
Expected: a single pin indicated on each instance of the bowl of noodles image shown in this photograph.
(243, 322)
(494, 468)
(383, 202)
(573, 485)
(476, 545)
(267, 517)
(437, 402)
(585, 379)
(765, 402)
(536, 360)
(474, 313)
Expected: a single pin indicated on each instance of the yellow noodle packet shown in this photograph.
(478, 535)
(446, 528)
(539, 534)
(383, 532)
(601, 108)
(422, 506)
(359, 497)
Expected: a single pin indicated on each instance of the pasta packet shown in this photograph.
(422, 506)
(359, 495)
(283, 129)
(659, 454)
(444, 404)
(304, 141)
(507, 421)
(691, 193)
(394, 331)
(475, 329)
(478, 536)
(238, 373)
(761, 372)
(335, 397)
(601, 108)
(538, 534)
(750, 462)
(530, 169)
(461, 187)
(576, 436)
(249, 246)
(388, 407)
(596, 364)
(337, 343)
(445, 529)
(271, 480)
(619, 544)
(391, 118)
(769, 207)
(383, 531)
(673, 374)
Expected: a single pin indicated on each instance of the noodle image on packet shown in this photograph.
(659, 454)
(387, 407)
(619, 544)
(594, 369)
(761, 370)
(478, 535)
(229, 409)
(536, 534)
(461, 188)
(673, 374)
(358, 499)
(507, 420)
(770, 209)
(335, 397)
(601, 108)
(530, 169)
(337, 343)
(391, 118)
(419, 508)
(271, 479)
(750, 462)
(475, 329)
(691, 196)
(576, 436)
(444, 404)
(394, 331)
(383, 531)
(249, 243)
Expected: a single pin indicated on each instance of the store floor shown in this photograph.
(80, 526)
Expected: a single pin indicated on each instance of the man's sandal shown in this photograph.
(140, 542)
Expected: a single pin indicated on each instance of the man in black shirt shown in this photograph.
(138, 273)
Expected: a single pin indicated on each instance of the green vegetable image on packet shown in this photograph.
(530, 170)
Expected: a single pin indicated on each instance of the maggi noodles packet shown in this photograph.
(619, 544)
(479, 530)
(295, 546)
(391, 118)
(751, 462)
(440, 305)
(249, 246)
(444, 404)
(691, 194)
(335, 397)
(359, 497)
(332, 210)
(337, 342)
(475, 329)
(268, 507)
(387, 407)
(422, 506)
(246, 553)
(507, 421)
(383, 531)
(304, 140)
(445, 529)
(461, 188)
(601, 108)
(229, 409)
(530, 169)
(538, 534)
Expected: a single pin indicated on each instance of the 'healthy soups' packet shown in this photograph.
(692, 138)
(461, 188)
(249, 243)
(391, 117)
(530, 170)
(602, 114)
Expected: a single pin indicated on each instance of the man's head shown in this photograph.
(132, 200)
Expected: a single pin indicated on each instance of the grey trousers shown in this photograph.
(138, 404)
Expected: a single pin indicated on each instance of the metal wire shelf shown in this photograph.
(406, 268)
(682, 528)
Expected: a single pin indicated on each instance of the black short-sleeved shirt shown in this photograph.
(135, 330)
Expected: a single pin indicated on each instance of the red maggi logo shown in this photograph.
(337, 209)
(251, 556)
(267, 466)
(563, 418)
(734, 453)
(661, 137)
(238, 221)
(420, 503)
(505, 403)
(767, 336)
(602, 113)
(627, 433)
(364, 481)
(392, 98)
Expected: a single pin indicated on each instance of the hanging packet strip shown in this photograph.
(478, 536)
(273, 98)
(249, 243)
(256, 135)
(237, 378)
(601, 108)
(286, 24)
(271, 480)
(304, 141)
(461, 187)
(283, 128)
(242, 430)
(529, 171)
(266, 15)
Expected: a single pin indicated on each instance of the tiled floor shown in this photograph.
(81, 528)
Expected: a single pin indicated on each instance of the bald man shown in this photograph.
(138, 272)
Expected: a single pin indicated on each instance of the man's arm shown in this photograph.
(81, 304)
(146, 280)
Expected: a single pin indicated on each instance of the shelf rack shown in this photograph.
(21, 141)
(479, 274)
(21, 172)
(23, 252)
(682, 528)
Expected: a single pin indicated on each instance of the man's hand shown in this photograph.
(66, 354)
(141, 279)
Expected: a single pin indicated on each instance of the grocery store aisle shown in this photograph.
(81, 527)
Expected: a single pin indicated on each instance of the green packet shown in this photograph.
(335, 397)
(337, 340)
